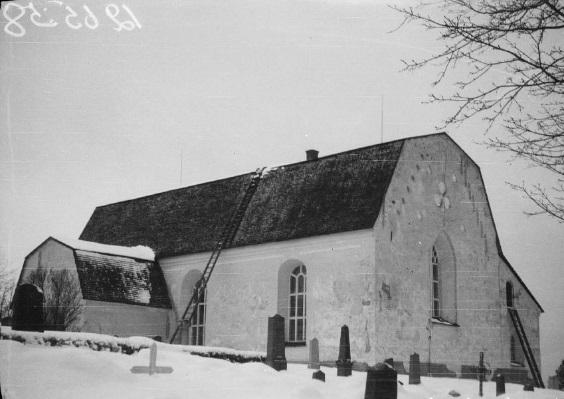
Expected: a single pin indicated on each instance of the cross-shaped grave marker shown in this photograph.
(153, 368)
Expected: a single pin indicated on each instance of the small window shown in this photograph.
(297, 305)
(436, 284)
(513, 349)
(509, 294)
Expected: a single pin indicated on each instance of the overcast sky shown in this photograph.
(93, 116)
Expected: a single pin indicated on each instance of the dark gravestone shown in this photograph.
(318, 375)
(313, 354)
(529, 388)
(344, 364)
(499, 384)
(275, 349)
(28, 308)
(414, 369)
(381, 383)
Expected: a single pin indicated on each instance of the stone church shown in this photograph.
(395, 240)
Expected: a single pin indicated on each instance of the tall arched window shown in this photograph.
(297, 305)
(443, 280)
(436, 284)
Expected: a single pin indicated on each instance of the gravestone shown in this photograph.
(414, 369)
(275, 347)
(499, 384)
(529, 388)
(318, 375)
(153, 368)
(313, 354)
(381, 383)
(344, 363)
(28, 308)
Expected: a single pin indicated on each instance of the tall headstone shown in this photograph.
(499, 384)
(381, 383)
(481, 374)
(313, 354)
(28, 308)
(344, 363)
(275, 347)
(414, 369)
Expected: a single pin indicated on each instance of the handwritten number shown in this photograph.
(127, 20)
(13, 24)
(126, 8)
(112, 11)
(35, 14)
(90, 20)
(70, 15)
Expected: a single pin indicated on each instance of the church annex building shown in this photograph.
(395, 240)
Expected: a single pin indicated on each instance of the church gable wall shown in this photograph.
(437, 195)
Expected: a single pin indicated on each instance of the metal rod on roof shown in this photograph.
(181, 156)
(382, 119)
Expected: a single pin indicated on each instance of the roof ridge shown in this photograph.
(277, 166)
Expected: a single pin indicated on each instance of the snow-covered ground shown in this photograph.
(38, 371)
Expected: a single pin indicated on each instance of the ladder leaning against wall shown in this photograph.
(226, 239)
(529, 355)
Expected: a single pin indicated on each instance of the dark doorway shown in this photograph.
(509, 294)
(28, 308)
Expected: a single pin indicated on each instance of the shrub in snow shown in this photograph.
(128, 346)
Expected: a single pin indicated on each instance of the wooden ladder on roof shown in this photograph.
(226, 239)
(529, 355)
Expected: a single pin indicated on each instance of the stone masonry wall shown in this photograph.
(438, 191)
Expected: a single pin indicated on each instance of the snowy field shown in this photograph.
(38, 371)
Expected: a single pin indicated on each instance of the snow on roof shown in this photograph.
(138, 252)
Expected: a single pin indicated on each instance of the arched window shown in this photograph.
(443, 280)
(436, 284)
(193, 333)
(297, 305)
(292, 300)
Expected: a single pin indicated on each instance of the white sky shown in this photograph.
(89, 117)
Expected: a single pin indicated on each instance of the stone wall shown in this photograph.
(437, 193)
(124, 320)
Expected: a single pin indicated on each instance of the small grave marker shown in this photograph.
(313, 354)
(344, 364)
(529, 388)
(152, 368)
(318, 375)
(499, 384)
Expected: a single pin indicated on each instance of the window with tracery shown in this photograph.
(297, 305)
(436, 284)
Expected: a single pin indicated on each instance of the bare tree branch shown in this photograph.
(516, 77)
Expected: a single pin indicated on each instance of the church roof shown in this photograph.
(336, 193)
(112, 278)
